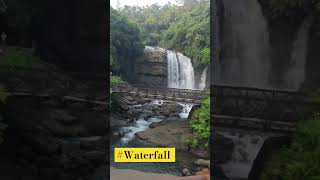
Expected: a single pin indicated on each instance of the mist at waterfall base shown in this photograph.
(246, 147)
(129, 139)
(246, 52)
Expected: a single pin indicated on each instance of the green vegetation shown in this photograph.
(200, 123)
(301, 160)
(184, 27)
(19, 57)
(125, 37)
(190, 34)
(115, 80)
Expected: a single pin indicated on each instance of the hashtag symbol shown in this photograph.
(120, 153)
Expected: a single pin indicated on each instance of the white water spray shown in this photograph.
(180, 71)
(203, 79)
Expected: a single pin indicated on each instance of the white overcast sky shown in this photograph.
(113, 3)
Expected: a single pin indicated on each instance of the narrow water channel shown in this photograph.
(136, 125)
(247, 145)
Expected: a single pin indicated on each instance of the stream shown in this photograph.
(247, 145)
(128, 139)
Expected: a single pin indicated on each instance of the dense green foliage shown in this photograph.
(125, 37)
(301, 160)
(200, 123)
(152, 20)
(184, 27)
(190, 34)
(115, 80)
(19, 57)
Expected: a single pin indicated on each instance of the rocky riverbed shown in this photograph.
(139, 122)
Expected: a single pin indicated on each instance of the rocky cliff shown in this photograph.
(152, 68)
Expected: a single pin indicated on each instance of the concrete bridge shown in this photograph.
(170, 94)
(260, 109)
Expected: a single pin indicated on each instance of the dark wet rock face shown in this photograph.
(55, 141)
(222, 148)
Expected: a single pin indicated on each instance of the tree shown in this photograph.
(190, 34)
(184, 27)
(125, 43)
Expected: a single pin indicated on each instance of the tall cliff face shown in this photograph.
(167, 68)
(258, 50)
(152, 68)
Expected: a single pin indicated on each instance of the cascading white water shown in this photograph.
(180, 71)
(187, 107)
(245, 57)
(142, 124)
(296, 74)
(173, 70)
(203, 79)
(246, 148)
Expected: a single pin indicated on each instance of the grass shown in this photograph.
(19, 57)
(200, 124)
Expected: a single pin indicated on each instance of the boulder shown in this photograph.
(202, 162)
(172, 134)
(185, 172)
(157, 124)
(146, 114)
(172, 119)
(62, 116)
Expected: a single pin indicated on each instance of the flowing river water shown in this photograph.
(129, 139)
(181, 75)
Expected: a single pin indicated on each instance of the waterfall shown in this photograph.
(246, 148)
(296, 73)
(245, 42)
(180, 71)
(203, 79)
